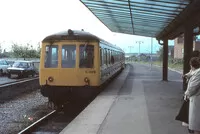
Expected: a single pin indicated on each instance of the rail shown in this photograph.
(17, 81)
(10, 90)
(30, 128)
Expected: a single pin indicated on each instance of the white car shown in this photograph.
(3, 67)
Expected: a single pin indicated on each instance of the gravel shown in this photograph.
(20, 112)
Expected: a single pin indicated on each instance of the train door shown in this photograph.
(89, 63)
(68, 70)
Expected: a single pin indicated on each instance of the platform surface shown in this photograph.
(136, 102)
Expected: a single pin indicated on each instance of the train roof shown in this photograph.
(75, 35)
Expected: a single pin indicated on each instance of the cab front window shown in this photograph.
(51, 58)
(68, 56)
(86, 56)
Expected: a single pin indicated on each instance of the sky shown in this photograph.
(30, 21)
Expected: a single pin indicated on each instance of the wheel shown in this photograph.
(52, 105)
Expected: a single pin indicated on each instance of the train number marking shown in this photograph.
(90, 72)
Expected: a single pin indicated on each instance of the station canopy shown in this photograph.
(137, 17)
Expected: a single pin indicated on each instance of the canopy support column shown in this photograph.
(165, 60)
(188, 48)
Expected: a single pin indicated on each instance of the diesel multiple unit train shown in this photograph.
(73, 61)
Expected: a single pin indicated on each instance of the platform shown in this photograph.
(137, 102)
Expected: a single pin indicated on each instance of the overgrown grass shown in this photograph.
(175, 66)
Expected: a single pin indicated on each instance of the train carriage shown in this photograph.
(74, 61)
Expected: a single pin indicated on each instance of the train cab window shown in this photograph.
(86, 56)
(51, 60)
(68, 56)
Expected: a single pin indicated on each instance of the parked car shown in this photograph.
(22, 69)
(10, 62)
(3, 66)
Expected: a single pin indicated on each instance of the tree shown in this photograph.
(0, 47)
(26, 51)
(17, 51)
(38, 50)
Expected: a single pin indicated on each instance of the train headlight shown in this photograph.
(87, 81)
(50, 79)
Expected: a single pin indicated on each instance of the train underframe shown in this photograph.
(59, 96)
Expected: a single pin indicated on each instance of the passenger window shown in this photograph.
(30, 64)
(23, 65)
(106, 55)
(3, 62)
(27, 65)
(68, 56)
(109, 56)
(7, 63)
(51, 59)
(112, 60)
(86, 56)
(102, 56)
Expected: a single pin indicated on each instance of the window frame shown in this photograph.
(85, 56)
(70, 54)
(46, 58)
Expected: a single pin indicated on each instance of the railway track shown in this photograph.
(12, 89)
(56, 121)
(33, 126)
(18, 81)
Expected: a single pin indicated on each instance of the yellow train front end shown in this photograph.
(68, 67)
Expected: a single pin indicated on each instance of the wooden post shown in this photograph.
(188, 48)
(165, 60)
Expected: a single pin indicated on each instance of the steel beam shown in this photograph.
(190, 15)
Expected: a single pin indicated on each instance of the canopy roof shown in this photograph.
(139, 17)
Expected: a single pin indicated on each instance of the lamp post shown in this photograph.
(1, 46)
(130, 48)
(139, 42)
(151, 50)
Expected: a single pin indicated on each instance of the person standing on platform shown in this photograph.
(195, 53)
(184, 111)
(193, 94)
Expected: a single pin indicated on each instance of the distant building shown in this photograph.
(154, 56)
(179, 46)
